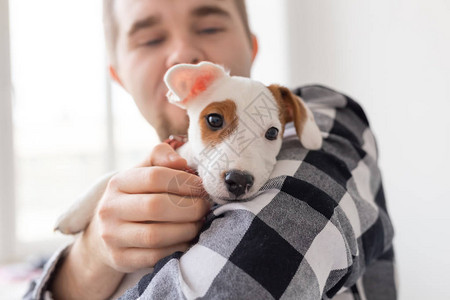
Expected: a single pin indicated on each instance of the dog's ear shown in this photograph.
(292, 108)
(186, 81)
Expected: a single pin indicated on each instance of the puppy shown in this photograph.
(235, 133)
(236, 127)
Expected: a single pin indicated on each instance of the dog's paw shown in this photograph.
(73, 221)
(79, 215)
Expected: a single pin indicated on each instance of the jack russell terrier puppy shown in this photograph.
(235, 133)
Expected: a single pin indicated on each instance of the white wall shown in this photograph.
(266, 18)
(7, 220)
(394, 58)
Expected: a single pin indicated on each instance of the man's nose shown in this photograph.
(184, 51)
(238, 182)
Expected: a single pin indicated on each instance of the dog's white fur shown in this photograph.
(246, 148)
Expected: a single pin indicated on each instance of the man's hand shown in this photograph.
(145, 214)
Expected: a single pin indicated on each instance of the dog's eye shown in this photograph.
(271, 133)
(215, 121)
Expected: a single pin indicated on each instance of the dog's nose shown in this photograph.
(238, 182)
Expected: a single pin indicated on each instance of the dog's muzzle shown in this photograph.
(238, 182)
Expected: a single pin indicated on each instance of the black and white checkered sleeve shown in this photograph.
(319, 231)
(38, 287)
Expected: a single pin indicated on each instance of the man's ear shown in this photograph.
(296, 110)
(254, 47)
(186, 81)
(114, 75)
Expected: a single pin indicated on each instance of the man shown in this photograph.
(135, 225)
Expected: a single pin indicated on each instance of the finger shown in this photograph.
(156, 235)
(162, 208)
(158, 180)
(164, 155)
(131, 259)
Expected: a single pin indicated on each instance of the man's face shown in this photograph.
(154, 35)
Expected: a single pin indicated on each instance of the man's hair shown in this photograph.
(111, 28)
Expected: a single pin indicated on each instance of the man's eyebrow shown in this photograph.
(201, 11)
(206, 10)
(144, 23)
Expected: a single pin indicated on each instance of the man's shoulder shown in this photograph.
(317, 95)
(343, 124)
(314, 91)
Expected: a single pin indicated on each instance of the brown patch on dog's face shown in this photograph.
(227, 110)
(283, 113)
(290, 108)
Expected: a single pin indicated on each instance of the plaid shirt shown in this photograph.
(320, 230)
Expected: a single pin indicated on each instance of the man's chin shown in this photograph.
(165, 129)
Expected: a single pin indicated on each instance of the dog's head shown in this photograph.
(236, 126)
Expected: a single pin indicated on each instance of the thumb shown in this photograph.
(163, 155)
